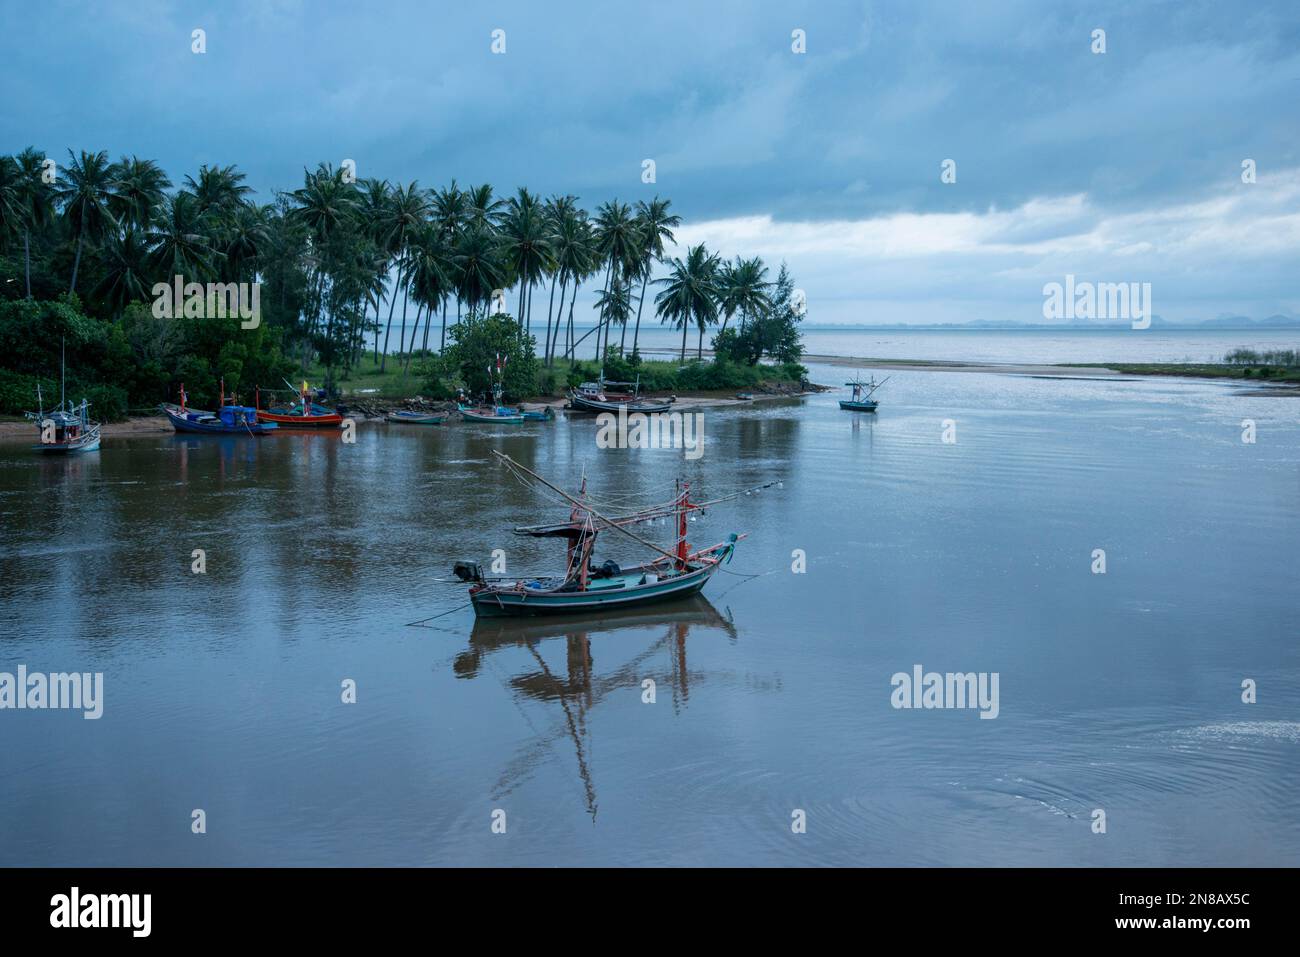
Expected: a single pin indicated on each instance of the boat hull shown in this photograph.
(469, 415)
(415, 419)
(182, 423)
(498, 603)
(86, 443)
(331, 421)
(579, 403)
(848, 405)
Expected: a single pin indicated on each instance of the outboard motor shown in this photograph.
(468, 571)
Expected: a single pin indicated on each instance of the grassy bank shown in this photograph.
(690, 378)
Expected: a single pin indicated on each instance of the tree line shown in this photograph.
(334, 256)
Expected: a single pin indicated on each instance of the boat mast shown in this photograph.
(63, 371)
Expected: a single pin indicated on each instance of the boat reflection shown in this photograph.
(578, 686)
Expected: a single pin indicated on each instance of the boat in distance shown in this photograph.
(861, 400)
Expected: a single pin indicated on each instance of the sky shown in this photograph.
(1122, 166)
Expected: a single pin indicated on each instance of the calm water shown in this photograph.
(1119, 692)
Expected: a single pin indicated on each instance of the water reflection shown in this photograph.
(659, 634)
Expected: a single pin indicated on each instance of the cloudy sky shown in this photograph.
(1117, 167)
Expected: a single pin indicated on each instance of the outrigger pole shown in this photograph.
(585, 507)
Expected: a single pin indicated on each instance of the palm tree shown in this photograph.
(84, 196)
(219, 189)
(177, 242)
(430, 279)
(742, 288)
(325, 205)
(407, 211)
(243, 238)
(617, 239)
(575, 260)
(690, 293)
(478, 262)
(655, 225)
(11, 208)
(36, 199)
(526, 247)
(126, 271)
(139, 187)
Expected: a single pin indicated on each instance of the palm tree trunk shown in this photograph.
(636, 335)
(549, 309)
(685, 322)
(699, 346)
(76, 263)
(551, 340)
(442, 347)
(392, 302)
(410, 353)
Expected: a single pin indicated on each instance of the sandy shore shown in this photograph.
(24, 431)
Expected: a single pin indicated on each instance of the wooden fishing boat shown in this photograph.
(861, 400)
(499, 415)
(496, 413)
(544, 414)
(595, 397)
(303, 414)
(66, 429)
(586, 586)
(227, 420)
(416, 418)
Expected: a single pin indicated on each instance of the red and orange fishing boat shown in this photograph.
(303, 414)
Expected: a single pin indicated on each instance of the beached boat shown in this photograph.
(66, 429)
(585, 586)
(416, 418)
(597, 397)
(861, 400)
(227, 420)
(499, 415)
(303, 414)
(495, 413)
(544, 414)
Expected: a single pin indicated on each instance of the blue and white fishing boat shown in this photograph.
(227, 420)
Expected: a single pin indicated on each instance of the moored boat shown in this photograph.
(416, 418)
(227, 420)
(66, 429)
(596, 397)
(500, 415)
(303, 414)
(586, 586)
(861, 400)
